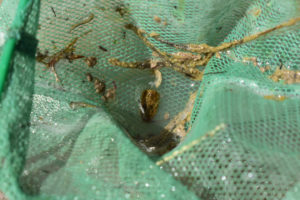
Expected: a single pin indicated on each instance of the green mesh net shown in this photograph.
(232, 135)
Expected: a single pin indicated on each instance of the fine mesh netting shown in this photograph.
(237, 129)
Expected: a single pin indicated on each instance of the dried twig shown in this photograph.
(66, 53)
(53, 11)
(196, 55)
(74, 105)
(102, 48)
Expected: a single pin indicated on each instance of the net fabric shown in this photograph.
(255, 155)
(251, 149)
(16, 100)
(277, 48)
(108, 31)
(93, 158)
(6, 18)
(112, 168)
(238, 161)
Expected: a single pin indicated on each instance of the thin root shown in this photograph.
(138, 65)
(66, 53)
(89, 19)
(55, 74)
(74, 105)
(197, 55)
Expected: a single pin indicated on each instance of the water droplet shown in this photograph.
(112, 139)
(173, 188)
(150, 149)
(150, 166)
(250, 175)
(94, 188)
(127, 196)
(175, 174)
(223, 178)
(173, 169)
(2, 40)
(76, 198)
(162, 195)
(147, 185)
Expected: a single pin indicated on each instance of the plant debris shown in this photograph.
(286, 75)
(275, 97)
(110, 93)
(178, 123)
(53, 11)
(122, 10)
(102, 48)
(158, 78)
(154, 34)
(65, 53)
(85, 21)
(99, 86)
(89, 77)
(91, 61)
(157, 19)
(74, 105)
(264, 69)
(218, 55)
(250, 59)
(191, 56)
